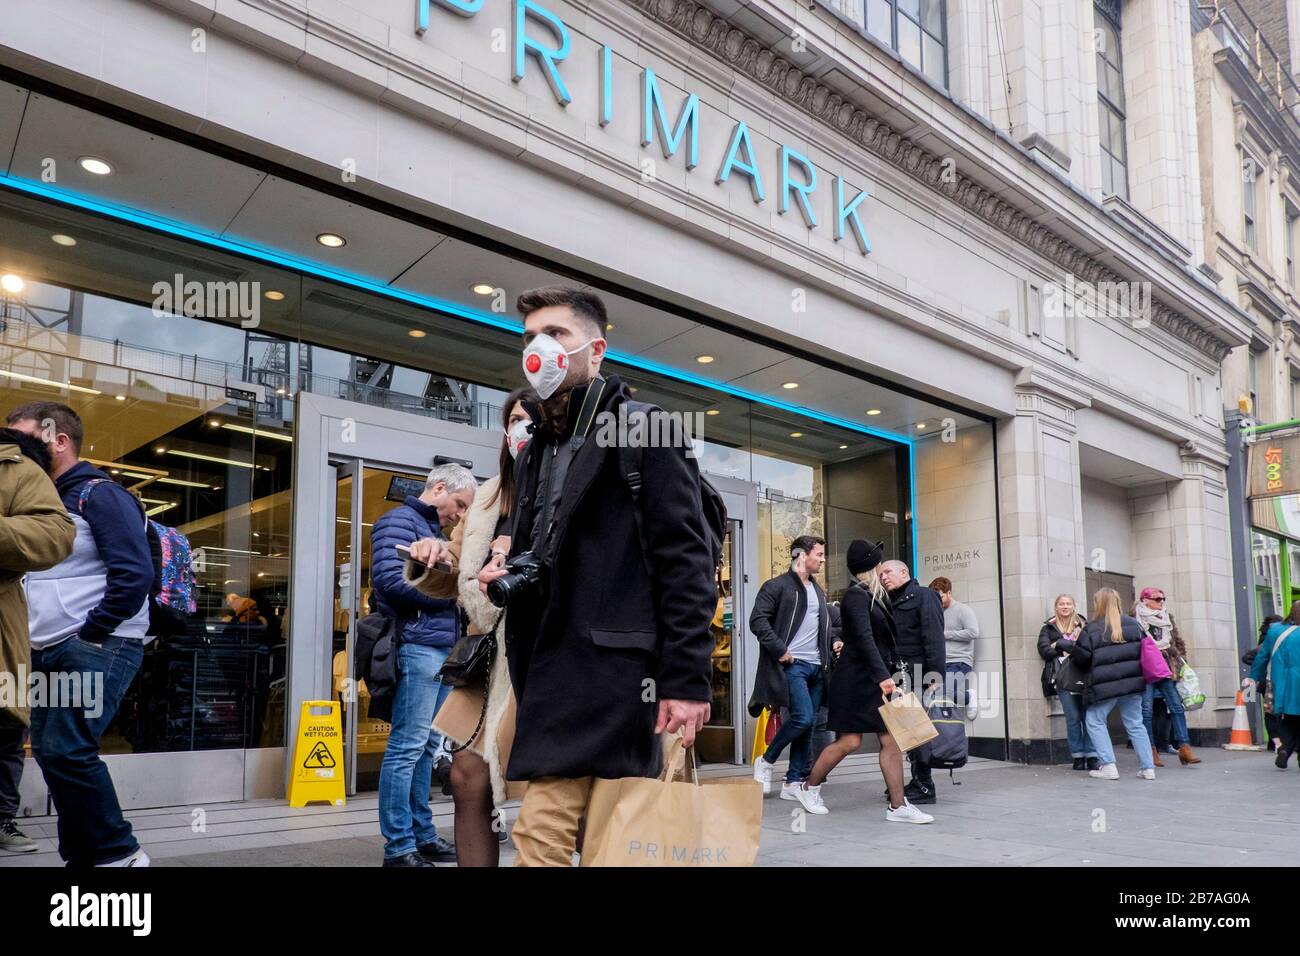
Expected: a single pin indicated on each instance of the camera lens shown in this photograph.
(498, 591)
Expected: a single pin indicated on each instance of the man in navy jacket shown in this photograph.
(427, 629)
(89, 616)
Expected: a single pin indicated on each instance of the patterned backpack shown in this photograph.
(171, 596)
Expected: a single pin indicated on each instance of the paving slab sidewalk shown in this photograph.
(1235, 809)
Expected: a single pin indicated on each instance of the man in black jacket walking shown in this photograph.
(792, 624)
(918, 616)
(612, 646)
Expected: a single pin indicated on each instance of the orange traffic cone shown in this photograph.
(1240, 738)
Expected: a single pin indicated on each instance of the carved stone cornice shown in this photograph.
(744, 53)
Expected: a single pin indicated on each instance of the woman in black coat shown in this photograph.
(1109, 651)
(858, 686)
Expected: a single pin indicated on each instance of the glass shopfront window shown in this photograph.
(1266, 559)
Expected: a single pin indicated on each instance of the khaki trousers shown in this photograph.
(546, 832)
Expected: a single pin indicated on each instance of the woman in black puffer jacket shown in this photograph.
(1109, 651)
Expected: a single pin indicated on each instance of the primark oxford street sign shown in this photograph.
(798, 176)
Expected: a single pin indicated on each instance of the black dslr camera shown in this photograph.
(525, 580)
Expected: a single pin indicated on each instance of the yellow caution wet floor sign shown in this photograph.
(318, 756)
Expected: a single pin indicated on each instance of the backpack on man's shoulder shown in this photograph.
(630, 464)
(171, 595)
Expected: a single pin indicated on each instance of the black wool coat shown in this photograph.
(854, 698)
(617, 630)
(778, 611)
(1112, 670)
(918, 616)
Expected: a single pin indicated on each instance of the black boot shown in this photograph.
(918, 792)
(1080, 763)
(1093, 763)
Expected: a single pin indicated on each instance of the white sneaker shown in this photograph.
(138, 858)
(906, 814)
(763, 773)
(1107, 771)
(790, 791)
(811, 798)
(1147, 774)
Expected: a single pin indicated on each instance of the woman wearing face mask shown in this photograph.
(478, 783)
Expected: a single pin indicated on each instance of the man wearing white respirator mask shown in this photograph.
(607, 640)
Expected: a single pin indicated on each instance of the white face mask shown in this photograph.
(546, 363)
(517, 437)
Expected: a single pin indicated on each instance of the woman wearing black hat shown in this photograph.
(859, 684)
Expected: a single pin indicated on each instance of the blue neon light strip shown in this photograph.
(306, 266)
(296, 264)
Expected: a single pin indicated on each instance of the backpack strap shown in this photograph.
(83, 495)
(630, 462)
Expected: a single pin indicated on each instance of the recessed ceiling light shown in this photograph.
(332, 240)
(63, 240)
(482, 288)
(704, 359)
(873, 411)
(12, 283)
(842, 447)
(120, 398)
(713, 411)
(94, 165)
(796, 434)
(417, 333)
(281, 391)
(920, 426)
(789, 384)
(275, 295)
(161, 449)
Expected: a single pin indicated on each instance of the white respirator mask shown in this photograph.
(546, 363)
(517, 437)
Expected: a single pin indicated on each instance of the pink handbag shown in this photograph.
(1154, 666)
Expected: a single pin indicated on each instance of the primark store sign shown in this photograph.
(796, 177)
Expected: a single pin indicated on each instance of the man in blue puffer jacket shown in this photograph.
(428, 628)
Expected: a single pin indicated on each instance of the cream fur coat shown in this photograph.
(480, 528)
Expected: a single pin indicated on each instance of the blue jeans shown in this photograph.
(405, 819)
(65, 743)
(957, 678)
(805, 684)
(1130, 710)
(1168, 689)
(1072, 707)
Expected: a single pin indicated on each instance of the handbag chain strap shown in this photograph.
(482, 714)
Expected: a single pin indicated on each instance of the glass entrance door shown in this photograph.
(720, 741)
(364, 494)
(355, 463)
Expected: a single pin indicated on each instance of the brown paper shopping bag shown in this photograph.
(644, 821)
(908, 723)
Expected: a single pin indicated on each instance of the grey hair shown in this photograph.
(455, 477)
(898, 564)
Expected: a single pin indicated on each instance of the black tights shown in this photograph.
(471, 789)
